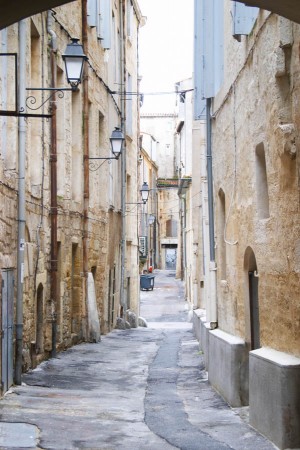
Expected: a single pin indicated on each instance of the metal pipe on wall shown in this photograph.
(212, 313)
(21, 200)
(53, 189)
(123, 293)
(86, 179)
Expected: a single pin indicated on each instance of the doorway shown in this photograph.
(171, 255)
(40, 319)
(254, 310)
(7, 328)
(252, 300)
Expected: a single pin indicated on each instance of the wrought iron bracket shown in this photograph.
(93, 166)
(31, 100)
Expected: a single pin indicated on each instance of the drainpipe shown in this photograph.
(182, 267)
(21, 201)
(86, 181)
(4, 90)
(53, 188)
(123, 296)
(212, 313)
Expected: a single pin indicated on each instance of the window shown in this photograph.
(171, 228)
(99, 16)
(209, 50)
(35, 159)
(129, 18)
(129, 106)
(262, 194)
(76, 148)
(61, 139)
(221, 234)
(243, 18)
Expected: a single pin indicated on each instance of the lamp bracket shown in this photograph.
(136, 203)
(112, 157)
(30, 102)
(31, 99)
(93, 166)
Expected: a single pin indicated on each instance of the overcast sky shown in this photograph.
(166, 50)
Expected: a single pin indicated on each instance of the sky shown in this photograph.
(165, 50)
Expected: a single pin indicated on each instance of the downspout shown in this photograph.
(181, 238)
(21, 201)
(184, 238)
(53, 187)
(4, 91)
(212, 313)
(123, 296)
(139, 146)
(86, 181)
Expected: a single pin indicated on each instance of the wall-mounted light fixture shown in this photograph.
(116, 142)
(151, 219)
(73, 58)
(144, 191)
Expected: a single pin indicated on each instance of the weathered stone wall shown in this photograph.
(88, 223)
(256, 172)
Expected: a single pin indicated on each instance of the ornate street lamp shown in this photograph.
(145, 192)
(116, 141)
(74, 59)
(151, 219)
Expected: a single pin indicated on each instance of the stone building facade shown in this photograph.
(77, 262)
(159, 130)
(252, 343)
(147, 213)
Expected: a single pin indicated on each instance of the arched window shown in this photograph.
(171, 228)
(221, 219)
(262, 194)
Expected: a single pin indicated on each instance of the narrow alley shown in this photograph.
(138, 389)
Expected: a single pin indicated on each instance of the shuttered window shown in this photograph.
(92, 12)
(106, 19)
(199, 101)
(129, 18)
(209, 47)
(100, 16)
(243, 18)
(129, 105)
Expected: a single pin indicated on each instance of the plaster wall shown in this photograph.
(162, 128)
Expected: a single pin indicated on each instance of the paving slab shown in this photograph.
(137, 389)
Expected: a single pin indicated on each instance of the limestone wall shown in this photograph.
(89, 221)
(256, 182)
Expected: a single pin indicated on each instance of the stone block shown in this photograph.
(132, 319)
(197, 314)
(201, 329)
(228, 367)
(274, 396)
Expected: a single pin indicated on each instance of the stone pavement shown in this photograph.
(138, 389)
